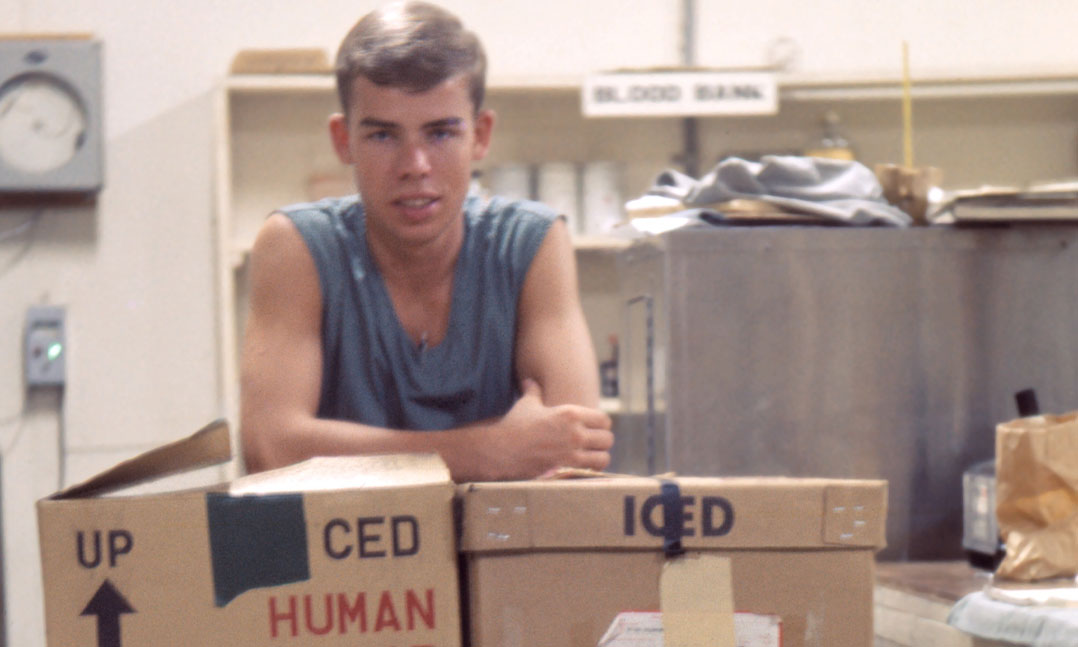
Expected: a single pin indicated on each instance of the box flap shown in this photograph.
(629, 512)
(329, 473)
(210, 445)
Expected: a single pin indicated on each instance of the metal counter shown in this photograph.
(845, 352)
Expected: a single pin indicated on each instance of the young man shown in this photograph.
(417, 317)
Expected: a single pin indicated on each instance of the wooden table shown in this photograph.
(912, 600)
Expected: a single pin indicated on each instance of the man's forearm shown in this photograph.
(280, 444)
(528, 441)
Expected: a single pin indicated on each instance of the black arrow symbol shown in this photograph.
(107, 604)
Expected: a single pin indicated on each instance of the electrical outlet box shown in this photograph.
(46, 346)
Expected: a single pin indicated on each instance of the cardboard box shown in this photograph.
(580, 563)
(336, 551)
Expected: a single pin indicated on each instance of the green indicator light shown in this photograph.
(54, 350)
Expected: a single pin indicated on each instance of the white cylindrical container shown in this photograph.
(513, 181)
(603, 204)
(557, 185)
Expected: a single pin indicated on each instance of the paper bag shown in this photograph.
(1037, 496)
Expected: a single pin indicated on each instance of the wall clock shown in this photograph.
(50, 115)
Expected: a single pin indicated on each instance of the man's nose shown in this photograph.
(415, 160)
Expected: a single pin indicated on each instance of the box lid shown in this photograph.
(328, 473)
(211, 445)
(634, 513)
(208, 446)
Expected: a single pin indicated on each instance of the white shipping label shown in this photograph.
(645, 629)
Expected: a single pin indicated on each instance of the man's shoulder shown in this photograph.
(327, 227)
(502, 206)
(506, 234)
(325, 210)
(508, 217)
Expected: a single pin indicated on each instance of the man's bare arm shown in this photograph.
(554, 346)
(281, 381)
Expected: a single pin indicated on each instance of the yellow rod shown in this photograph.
(907, 108)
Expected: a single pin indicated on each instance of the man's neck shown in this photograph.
(419, 266)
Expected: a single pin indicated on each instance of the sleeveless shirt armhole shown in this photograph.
(306, 224)
(530, 226)
(317, 223)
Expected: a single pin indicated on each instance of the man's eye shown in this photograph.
(442, 133)
(378, 136)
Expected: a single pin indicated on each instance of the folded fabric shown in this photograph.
(837, 189)
(1039, 626)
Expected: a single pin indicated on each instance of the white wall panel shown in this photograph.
(856, 38)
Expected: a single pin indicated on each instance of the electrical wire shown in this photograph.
(20, 418)
(29, 228)
(8, 444)
(11, 418)
(7, 420)
(17, 230)
(61, 441)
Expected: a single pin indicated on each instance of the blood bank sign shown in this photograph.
(673, 94)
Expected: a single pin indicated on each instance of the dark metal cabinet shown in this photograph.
(843, 352)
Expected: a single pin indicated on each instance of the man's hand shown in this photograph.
(533, 439)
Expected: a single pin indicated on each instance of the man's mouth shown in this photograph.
(415, 203)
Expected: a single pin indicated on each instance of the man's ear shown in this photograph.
(484, 127)
(338, 134)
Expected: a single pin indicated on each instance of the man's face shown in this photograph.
(412, 155)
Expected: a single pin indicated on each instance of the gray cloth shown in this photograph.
(838, 190)
(372, 372)
(1039, 626)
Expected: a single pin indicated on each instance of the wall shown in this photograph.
(135, 271)
(852, 38)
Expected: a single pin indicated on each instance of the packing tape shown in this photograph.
(697, 601)
(256, 542)
(695, 591)
(673, 519)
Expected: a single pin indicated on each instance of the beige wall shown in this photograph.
(136, 271)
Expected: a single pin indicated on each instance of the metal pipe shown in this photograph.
(688, 33)
(690, 155)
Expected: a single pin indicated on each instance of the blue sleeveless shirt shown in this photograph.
(372, 372)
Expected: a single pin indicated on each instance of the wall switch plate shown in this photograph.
(46, 346)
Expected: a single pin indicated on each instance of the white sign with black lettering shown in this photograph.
(680, 94)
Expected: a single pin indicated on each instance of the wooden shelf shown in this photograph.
(790, 88)
(611, 406)
(316, 83)
(599, 243)
(582, 244)
(940, 88)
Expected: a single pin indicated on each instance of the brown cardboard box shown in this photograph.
(554, 563)
(338, 551)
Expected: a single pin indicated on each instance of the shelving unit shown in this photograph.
(272, 138)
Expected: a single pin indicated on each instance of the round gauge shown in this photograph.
(42, 123)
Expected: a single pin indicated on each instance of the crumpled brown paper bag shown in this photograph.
(1037, 496)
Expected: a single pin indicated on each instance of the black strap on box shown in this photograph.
(673, 519)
